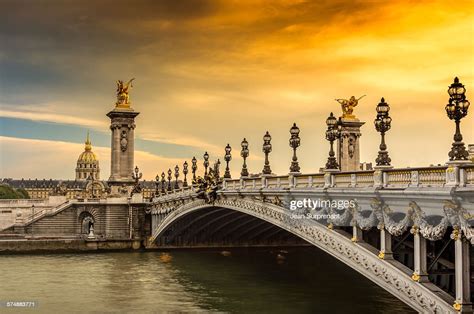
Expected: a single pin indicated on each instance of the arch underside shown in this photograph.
(219, 226)
(251, 222)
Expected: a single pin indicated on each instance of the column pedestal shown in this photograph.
(348, 148)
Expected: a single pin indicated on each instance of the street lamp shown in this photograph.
(163, 182)
(227, 158)
(332, 133)
(294, 143)
(456, 109)
(176, 175)
(137, 176)
(267, 148)
(169, 179)
(244, 153)
(185, 172)
(382, 124)
(194, 167)
(206, 163)
(217, 167)
(157, 185)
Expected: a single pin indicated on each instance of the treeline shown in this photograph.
(7, 192)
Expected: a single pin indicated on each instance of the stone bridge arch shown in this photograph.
(361, 257)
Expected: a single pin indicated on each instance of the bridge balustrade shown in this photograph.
(363, 179)
(398, 178)
(469, 174)
(434, 176)
(342, 180)
(437, 176)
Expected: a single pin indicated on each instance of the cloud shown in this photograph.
(212, 72)
(46, 116)
(28, 158)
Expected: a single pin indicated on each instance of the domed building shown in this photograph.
(87, 163)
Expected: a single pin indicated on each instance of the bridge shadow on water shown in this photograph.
(256, 280)
(272, 280)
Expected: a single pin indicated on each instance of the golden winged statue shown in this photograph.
(348, 106)
(123, 98)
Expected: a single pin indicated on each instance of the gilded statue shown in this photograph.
(348, 106)
(207, 187)
(123, 98)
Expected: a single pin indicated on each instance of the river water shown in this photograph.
(302, 280)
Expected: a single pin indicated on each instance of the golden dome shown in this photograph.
(87, 155)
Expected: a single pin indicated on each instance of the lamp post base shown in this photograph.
(458, 152)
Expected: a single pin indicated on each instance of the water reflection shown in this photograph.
(239, 281)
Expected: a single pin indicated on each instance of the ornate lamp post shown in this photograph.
(185, 172)
(332, 134)
(169, 179)
(176, 175)
(244, 153)
(227, 158)
(382, 124)
(157, 185)
(217, 167)
(294, 143)
(456, 109)
(137, 176)
(194, 167)
(206, 163)
(267, 148)
(163, 182)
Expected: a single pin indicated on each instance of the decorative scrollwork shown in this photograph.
(427, 230)
(460, 219)
(383, 212)
(365, 223)
(123, 140)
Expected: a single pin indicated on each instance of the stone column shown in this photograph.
(122, 150)
(356, 234)
(385, 244)
(348, 148)
(420, 273)
(115, 153)
(462, 272)
(131, 149)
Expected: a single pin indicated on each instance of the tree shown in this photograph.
(7, 192)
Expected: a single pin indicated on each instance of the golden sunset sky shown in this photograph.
(209, 73)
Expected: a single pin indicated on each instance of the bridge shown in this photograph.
(400, 233)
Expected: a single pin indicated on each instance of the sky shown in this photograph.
(208, 73)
